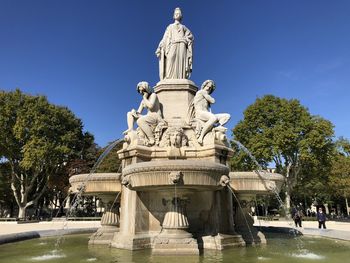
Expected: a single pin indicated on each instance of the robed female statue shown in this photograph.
(175, 51)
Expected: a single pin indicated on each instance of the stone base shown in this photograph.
(175, 242)
(222, 241)
(103, 236)
(177, 95)
(132, 242)
(253, 237)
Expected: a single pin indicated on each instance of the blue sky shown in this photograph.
(89, 55)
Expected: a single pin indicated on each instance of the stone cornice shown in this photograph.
(174, 165)
(95, 177)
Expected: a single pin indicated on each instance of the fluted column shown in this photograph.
(110, 218)
(174, 236)
(109, 223)
(176, 217)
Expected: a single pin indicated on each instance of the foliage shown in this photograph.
(37, 139)
(343, 146)
(339, 177)
(111, 163)
(284, 134)
(6, 197)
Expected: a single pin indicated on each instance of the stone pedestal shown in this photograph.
(134, 222)
(174, 236)
(244, 222)
(107, 187)
(175, 96)
(222, 235)
(109, 226)
(222, 241)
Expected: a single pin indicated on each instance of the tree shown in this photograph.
(339, 177)
(58, 184)
(343, 146)
(6, 197)
(283, 133)
(37, 139)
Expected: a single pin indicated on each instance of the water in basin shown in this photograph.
(75, 249)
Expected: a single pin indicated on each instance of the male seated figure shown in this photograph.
(201, 103)
(148, 122)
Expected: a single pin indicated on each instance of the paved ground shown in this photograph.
(11, 231)
(338, 230)
(13, 227)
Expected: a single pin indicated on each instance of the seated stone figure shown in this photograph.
(206, 120)
(147, 123)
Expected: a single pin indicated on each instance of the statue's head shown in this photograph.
(177, 137)
(208, 85)
(177, 14)
(143, 86)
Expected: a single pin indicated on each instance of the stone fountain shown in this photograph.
(175, 179)
(107, 187)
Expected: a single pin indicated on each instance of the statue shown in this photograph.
(147, 123)
(204, 117)
(175, 50)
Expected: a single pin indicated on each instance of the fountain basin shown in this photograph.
(282, 248)
(96, 184)
(190, 174)
(107, 187)
(253, 183)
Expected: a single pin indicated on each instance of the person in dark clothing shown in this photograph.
(297, 216)
(321, 218)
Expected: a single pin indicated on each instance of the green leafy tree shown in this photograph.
(312, 186)
(58, 184)
(283, 133)
(343, 146)
(37, 139)
(339, 177)
(6, 197)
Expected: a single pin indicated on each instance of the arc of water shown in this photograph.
(257, 210)
(262, 177)
(77, 197)
(116, 198)
(92, 171)
(240, 207)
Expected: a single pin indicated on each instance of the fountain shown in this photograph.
(175, 193)
(175, 184)
(107, 187)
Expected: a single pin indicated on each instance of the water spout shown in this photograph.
(263, 176)
(78, 196)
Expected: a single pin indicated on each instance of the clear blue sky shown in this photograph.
(89, 55)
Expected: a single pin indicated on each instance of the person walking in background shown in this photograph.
(297, 216)
(321, 218)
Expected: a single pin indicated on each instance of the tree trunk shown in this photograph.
(287, 200)
(22, 212)
(288, 188)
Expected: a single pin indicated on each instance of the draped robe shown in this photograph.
(176, 52)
